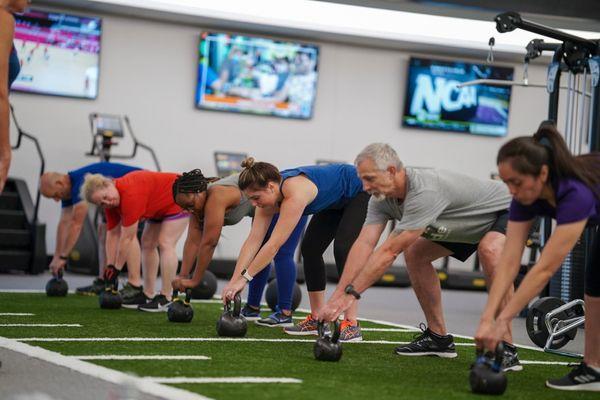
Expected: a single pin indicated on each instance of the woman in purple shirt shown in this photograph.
(546, 180)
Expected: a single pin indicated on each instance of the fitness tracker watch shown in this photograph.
(246, 275)
(350, 290)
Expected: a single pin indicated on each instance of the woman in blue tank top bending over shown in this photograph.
(9, 69)
(333, 195)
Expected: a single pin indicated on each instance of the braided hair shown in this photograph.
(193, 181)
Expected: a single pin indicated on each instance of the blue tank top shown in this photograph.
(13, 66)
(337, 185)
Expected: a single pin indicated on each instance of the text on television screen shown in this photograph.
(434, 100)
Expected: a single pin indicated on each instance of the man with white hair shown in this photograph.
(438, 213)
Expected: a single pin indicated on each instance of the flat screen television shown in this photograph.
(228, 163)
(59, 54)
(256, 75)
(433, 100)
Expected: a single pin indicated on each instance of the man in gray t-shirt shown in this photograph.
(437, 213)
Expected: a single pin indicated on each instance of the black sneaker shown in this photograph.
(158, 304)
(91, 290)
(510, 361)
(134, 300)
(429, 343)
(581, 377)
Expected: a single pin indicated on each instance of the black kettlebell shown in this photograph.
(231, 322)
(181, 310)
(486, 376)
(110, 298)
(326, 348)
(57, 286)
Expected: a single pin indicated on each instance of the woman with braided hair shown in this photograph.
(214, 204)
(546, 180)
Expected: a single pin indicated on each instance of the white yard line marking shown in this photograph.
(22, 291)
(237, 379)
(533, 362)
(140, 357)
(99, 372)
(40, 325)
(197, 339)
(386, 329)
(16, 314)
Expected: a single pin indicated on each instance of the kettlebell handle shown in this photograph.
(499, 357)
(59, 274)
(237, 305)
(336, 330)
(188, 295)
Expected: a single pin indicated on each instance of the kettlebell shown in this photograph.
(326, 348)
(231, 323)
(181, 310)
(110, 298)
(486, 376)
(57, 286)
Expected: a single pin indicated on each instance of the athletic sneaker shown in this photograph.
(510, 360)
(129, 290)
(277, 319)
(308, 326)
(135, 300)
(158, 304)
(581, 377)
(428, 343)
(350, 332)
(250, 313)
(91, 290)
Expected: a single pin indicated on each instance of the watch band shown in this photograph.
(246, 275)
(350, 290)
(65, 258)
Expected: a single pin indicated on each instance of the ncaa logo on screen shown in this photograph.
(431, 96)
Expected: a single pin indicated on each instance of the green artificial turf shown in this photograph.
(365, 370)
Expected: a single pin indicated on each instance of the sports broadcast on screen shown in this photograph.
(256, 75)
(59, 54)
(434, 100)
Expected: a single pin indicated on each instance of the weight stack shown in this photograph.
(567, 284)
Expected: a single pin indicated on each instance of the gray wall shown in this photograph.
(148, 71)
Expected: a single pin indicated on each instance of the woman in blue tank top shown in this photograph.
(9, 69)
(333, 195)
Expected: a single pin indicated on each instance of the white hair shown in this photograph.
(382, 154)
(92, 183)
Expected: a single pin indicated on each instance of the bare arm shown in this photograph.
(383, 257)
(560, 244)
(78, 215)
(214, 214)
(66, 215)
(7, 28)
(127, 236)
(111, 244)
(359, 254)
(508, 266)
(251, 246)
(190, 247)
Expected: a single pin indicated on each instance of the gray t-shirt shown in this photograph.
(451, 207)
(244, 209)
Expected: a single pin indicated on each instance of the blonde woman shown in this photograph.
(137, 196)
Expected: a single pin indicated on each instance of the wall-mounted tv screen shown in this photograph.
(434, 101)
(228, 163)
(59, 54)
(256, 75)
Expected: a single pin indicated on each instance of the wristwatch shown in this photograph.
(64, 258)
(246, 275)
(350, 290)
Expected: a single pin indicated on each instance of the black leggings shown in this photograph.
(592, 270)
(342, 226)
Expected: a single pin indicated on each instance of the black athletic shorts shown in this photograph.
(592, 270)
(462, 251)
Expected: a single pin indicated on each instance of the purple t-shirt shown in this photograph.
(574, 202)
